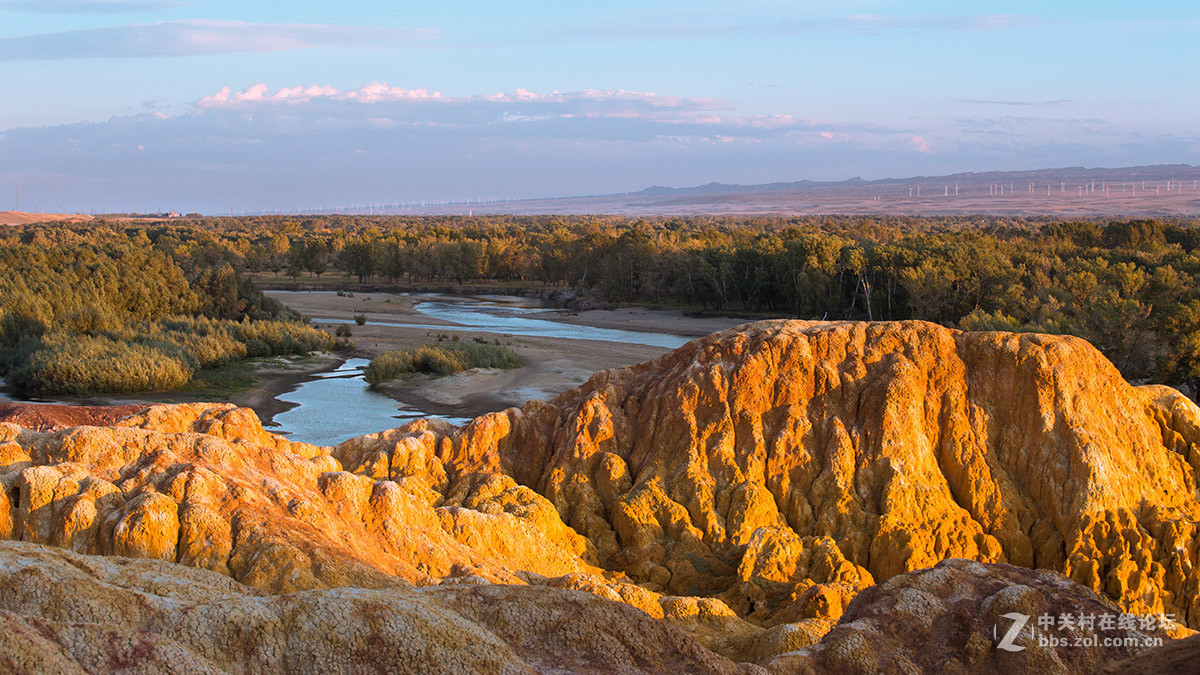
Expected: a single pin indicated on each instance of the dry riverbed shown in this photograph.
(551, 365)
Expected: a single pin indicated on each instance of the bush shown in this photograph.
(439, 359)
(74, 364)
(343, 331)
(389, 366)
(476, 355)
(277, 338)
(360, 319)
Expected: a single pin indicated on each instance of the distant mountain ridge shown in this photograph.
(1151, 191)
(1147, 172)
(726, 188)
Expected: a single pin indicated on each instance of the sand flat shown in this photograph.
(551, 365)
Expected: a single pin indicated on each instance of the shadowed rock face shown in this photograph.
(943, 620)
(744, 487)
(1178, 657)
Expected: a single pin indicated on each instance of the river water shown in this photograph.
(338, 405)
(502, 315)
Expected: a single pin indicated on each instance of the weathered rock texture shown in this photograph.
(1179, 657)
(65, 613)
(943, 620)
(754, 461)
(745, 487)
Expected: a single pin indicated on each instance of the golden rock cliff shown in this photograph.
(744, 488)
(873, 448)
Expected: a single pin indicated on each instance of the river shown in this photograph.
(338, 405)
(503, 316)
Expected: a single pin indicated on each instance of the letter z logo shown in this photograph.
(1007, 643)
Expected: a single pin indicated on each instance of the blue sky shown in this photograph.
(210, 105)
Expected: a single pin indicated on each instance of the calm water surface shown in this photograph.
(337, 405)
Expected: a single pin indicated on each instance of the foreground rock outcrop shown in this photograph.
(948, 619)
(745, 488)
(65, 613)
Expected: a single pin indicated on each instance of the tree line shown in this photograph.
(96, 311)
(1128, 286)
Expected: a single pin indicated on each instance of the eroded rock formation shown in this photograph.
(65, 613)
(944, 620)
(744, 488)
(901, 444)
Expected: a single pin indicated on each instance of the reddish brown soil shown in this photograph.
(49, 416)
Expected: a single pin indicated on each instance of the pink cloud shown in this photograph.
(260, 93)
(919, 144)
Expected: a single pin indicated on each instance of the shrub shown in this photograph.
(476, 355)
(389, 366)
(360, 319)
(277, 338)
(439, 359)
(343, 331)
(73, 364)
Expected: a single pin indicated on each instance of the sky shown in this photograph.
(212, 106)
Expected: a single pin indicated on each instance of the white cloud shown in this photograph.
(197, 37)
(313, 145)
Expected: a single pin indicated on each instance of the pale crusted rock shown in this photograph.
(787, 637)
(1178, 657)
(60, 612)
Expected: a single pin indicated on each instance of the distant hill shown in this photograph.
(970, 179)
(22, 218)
(1161, 190)
(723, 188)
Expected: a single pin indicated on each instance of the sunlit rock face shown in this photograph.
(754, 461)
(744, 488)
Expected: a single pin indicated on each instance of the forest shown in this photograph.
(1128, 286)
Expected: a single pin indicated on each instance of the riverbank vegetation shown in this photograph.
(105, 313)
(1131, 287)
(443, 358)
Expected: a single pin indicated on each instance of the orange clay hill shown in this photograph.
(784, 496)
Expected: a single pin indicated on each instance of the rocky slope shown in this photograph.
(63, 612)
(743, 489)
